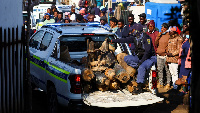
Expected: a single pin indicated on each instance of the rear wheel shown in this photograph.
(52, 100)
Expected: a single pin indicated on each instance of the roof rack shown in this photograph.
(92, 24)
(74, 24)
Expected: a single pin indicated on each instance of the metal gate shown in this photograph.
(12, 69)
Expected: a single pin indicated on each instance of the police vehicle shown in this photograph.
(48, 66)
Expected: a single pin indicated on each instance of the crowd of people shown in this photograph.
(169, 48)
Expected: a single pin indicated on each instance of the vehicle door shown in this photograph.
(38, 57)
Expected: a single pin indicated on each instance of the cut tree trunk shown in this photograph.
(110, 73)
(121, 74)
(120, 58)
(132, 85)
(87, 74)
(114, 85)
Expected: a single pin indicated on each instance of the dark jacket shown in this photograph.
(143, 49)
(122, 32)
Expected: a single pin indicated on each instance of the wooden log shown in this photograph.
(114, 85)
(105, 47)
(98, 63)
(110, 73)
(132, 85)
(131, 71)
(87, 74)
(103, 87)
(121, 74)
(101, 79)
(99, 68)
(120, 58)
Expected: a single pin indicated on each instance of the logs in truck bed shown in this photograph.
(107, 70)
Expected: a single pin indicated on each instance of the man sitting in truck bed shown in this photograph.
(143, 54)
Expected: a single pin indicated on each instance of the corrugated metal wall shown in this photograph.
(12, 69)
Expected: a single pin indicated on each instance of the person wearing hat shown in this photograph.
(132, 3)
(48, 20)
(103, 21)
(143, 54)
(152, 32)
(161, 43)
(174, 45)
(143, 21)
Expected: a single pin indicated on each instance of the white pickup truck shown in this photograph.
(61, 80)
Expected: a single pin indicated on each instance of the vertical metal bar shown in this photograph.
(9, 75)
(1, 70)
(5, 74)
(21, 72)
(24, 62)
(17, 70)
(13, 71)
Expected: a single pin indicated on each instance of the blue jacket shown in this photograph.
(143, 48)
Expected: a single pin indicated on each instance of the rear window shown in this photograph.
(79, 43)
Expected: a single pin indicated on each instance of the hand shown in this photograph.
(108, 40)
(169, 55)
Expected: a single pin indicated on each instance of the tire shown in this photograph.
(52, 101)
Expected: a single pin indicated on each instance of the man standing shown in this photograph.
(143, 55)
(161, 43)
(143, 21)
(174, 45)
(120, 31)
(60, 18)
(185, 30)
(48, 20)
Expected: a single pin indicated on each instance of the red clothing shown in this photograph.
(153, 37)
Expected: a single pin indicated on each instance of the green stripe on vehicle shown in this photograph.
(57, 68)
(37, 65)
(56, 77)
(36, 57)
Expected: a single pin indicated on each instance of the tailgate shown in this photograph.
(119, 98)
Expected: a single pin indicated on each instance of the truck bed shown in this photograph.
(119, 98)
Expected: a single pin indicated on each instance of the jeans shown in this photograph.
(173, 68)
(161, 65)
(146, 65)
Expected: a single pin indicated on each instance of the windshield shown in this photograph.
(79, 43)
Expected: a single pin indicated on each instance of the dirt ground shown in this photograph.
(173, 103)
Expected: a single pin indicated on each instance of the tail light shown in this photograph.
(154, 79)
(34, 30)
(75, 81)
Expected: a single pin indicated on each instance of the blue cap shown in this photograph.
(47, 14)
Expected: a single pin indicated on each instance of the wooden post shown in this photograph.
(104, 3)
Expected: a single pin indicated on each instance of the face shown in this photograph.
(171, 33)
(185, 27)
(67, 21)
(163, 29)
(151, 27)
(48, 11)
(55, 14)
(73, 10)
(130, 20)
(112, 24)
(142, 20)
(59, 16)
(47, 17)
(103, 22)
(90, 18)
(120, 25)
(101, 14)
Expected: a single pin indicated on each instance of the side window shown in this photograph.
(36, 40)
(46, 41)
(54, 52)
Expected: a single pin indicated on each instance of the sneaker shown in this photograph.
(167, 87)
